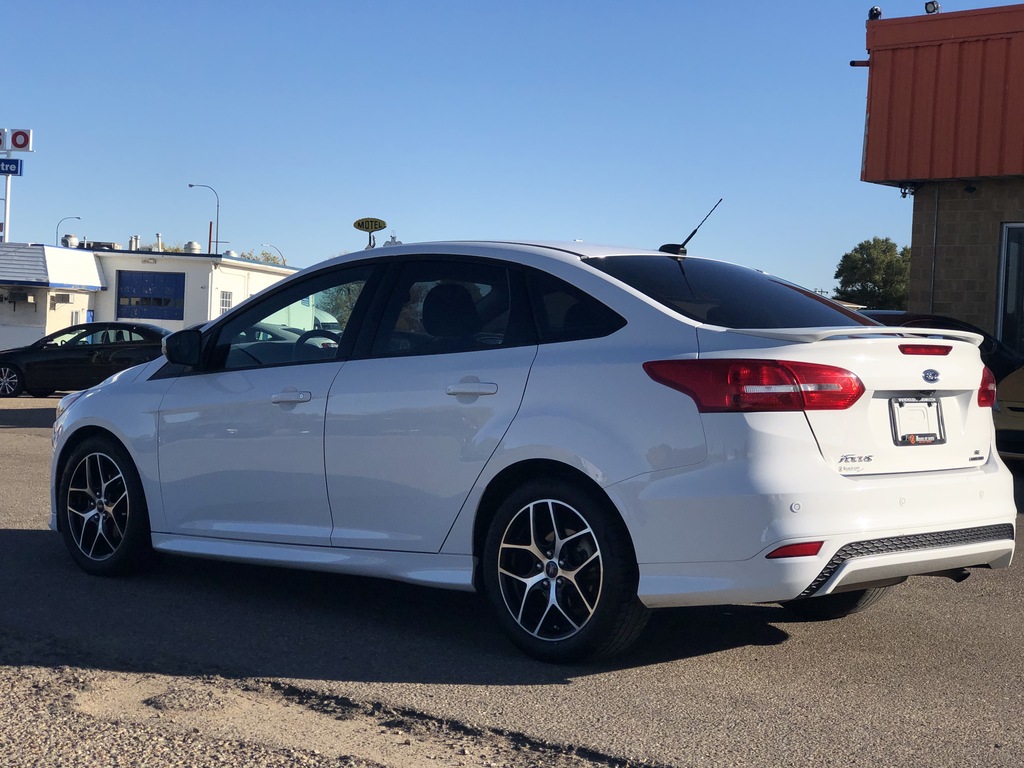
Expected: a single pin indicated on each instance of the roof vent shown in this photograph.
(193, 247)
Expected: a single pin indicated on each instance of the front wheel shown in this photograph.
(12, 383)
(561, 574)
(104, 519)
(835, 606)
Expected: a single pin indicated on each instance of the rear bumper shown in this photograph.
(854, 565)
(703, 540)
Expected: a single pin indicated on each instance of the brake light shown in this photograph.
(805, 549)
(987, 390)
(925, 349)
(719, 386)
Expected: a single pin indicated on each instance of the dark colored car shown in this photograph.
(77, 357)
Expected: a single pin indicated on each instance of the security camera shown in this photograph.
(875, 13)
(932, 7)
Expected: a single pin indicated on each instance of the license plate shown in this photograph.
(916, 421)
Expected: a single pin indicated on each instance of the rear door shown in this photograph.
(412, 423)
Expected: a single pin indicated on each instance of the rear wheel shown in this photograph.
(561, 574)
(104, 519)
(835, 606)
(12, 382)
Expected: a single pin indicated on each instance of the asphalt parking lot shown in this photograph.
(931, 676)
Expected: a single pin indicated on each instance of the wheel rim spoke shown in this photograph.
(550, 570)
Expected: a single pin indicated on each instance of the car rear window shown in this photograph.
(725, 294)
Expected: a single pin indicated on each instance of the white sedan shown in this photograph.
(582, 433)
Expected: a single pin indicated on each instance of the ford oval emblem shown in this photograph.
(931, 376)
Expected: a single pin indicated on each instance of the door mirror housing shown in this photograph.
(183, 347)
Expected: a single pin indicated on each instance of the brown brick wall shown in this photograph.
(961, 254)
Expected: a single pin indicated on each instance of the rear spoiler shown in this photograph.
(857, 331)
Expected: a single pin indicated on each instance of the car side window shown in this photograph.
(306, 323)
(440, 307)
(565, 313)
(67, 337)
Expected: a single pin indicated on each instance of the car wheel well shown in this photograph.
(510, 477)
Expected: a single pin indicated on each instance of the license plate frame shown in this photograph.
(916, 420)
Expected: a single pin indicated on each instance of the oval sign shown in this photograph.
(369, 225)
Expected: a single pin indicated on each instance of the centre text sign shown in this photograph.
(10, 167)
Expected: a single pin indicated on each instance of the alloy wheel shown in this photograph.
(97, 506)
(550, 570)
(10, 381)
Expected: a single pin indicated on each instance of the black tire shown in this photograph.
(12, 381)
(561, 575)
(837, 606)
(104, 518)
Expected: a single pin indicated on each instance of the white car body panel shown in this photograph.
(407, 438)
(264, 431)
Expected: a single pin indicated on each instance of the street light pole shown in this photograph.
(268, 245)
(217, 235)
(56, 236)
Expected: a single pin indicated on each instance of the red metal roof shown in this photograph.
(945, 96)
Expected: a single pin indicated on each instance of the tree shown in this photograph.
(875, 274)
(265, 256)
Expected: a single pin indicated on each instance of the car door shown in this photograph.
(412, 422)
(69, 360)
(241, 440)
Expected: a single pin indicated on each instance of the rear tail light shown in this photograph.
(719, 386)
(987, 390)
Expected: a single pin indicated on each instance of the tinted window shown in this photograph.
(725, 294)
(565, 313)
(439, 307)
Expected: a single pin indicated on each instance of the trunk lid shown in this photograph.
(919, 412)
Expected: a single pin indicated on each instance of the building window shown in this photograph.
(76, 317)
(1011, 294)
(151, 295)
(225, 301)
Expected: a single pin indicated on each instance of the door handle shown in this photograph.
(291, 397)
(472, 389)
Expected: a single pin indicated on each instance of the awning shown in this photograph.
(45, 266)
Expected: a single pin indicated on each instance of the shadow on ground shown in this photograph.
(188, 617)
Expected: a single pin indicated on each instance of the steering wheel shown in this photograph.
(318, 332)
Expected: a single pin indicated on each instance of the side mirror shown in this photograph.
(183, 347)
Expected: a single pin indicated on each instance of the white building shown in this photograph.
(44, 288)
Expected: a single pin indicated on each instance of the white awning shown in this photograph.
(45, 266)
(73, 268)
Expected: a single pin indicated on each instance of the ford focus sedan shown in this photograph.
(582, 433)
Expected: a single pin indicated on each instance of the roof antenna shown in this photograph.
(680, 250)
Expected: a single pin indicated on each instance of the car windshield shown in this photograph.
(725, 294)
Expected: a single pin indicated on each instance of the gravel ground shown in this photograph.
(82, 716)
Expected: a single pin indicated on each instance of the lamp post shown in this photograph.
(3, 226)
(56, 237)
(268, 245)
(217, 235)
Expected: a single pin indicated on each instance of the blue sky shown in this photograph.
(610, 122)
